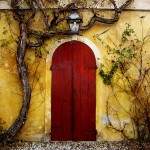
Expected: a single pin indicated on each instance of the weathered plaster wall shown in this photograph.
(39, 117)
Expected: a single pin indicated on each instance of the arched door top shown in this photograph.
(82, 39)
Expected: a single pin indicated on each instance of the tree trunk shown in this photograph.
(23, 74)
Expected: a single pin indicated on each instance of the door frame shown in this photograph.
(47, 106)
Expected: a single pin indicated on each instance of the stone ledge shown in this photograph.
(139, 5)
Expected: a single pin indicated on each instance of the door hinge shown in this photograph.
(91, 68)
(56, 68)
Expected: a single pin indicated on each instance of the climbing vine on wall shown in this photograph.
(122, 53)
(127, 73)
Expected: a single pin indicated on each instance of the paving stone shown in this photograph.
(121, 145)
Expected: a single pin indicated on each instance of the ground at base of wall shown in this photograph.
(122, 145)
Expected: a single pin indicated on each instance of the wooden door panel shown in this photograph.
(73, 93)
(85, 96)
(61, 94)
(57, 76)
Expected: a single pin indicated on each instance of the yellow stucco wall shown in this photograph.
(39, 116)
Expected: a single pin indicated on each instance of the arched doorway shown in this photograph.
(73, 104)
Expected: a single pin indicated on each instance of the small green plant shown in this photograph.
(108, 76)
(122, 53)
(127, 32)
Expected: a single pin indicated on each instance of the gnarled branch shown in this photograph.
(107, 21)
(23, 74)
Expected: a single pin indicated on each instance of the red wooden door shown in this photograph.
(73, 93)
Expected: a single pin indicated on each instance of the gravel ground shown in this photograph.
(126, 145)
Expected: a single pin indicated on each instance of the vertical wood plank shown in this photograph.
(85, 96)
(67, 91)
(92, 97)
(56, 103)
(77, 133)
(62, 94)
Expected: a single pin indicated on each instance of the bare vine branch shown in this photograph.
(107, 21)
